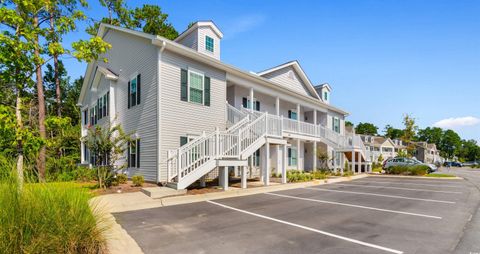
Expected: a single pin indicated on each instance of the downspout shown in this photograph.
(162, 45)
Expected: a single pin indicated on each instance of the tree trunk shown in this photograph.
(58, 97)
(41, 108)
(18, 115)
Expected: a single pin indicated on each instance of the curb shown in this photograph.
(179, 200)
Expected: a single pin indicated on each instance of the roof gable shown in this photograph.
(290, 75)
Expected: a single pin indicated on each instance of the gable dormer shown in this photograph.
(202, 36)
(324, 91)
(291, 76)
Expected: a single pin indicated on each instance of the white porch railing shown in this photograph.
(246, 129)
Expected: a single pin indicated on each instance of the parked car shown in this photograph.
(452, 164)
(401, 161)
(470, 164)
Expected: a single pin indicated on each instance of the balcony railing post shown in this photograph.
(179, 165)
(281, 125)
(217, 142)
(266, 123)
(169, 165)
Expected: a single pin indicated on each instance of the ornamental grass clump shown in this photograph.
(49, 218)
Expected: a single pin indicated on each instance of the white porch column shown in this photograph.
(314, 155)
(353, 161)
(298, 154)
(359, 163)
(342, 167)
(223, 177)
(277, 106)
(251, 100)
(334, 160)
(284, 164)
(315, 116)
(244, 177)
(298, 116)
(278, 166)
(111, 101)
(235, 171)
(266, 174)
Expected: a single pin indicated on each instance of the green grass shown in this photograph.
(439, 175)
(49, 218)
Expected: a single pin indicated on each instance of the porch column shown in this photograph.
(334, 160)
(266, 174)
(284, 164)
(342, 167)
(315, 116)
(277, 106)
(353, 161)
(202, 181)
(278, 167)
(314, 155)
(298, 154)
(359, 163)
(223, 177)
(251, 99)
(235, 171)
(244, 177)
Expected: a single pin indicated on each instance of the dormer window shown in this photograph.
(325, 96)
(209, 43)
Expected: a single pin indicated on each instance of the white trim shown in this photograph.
(231, 70)
(308, 228)
(198, 24)
(356, 206)
(192, 70)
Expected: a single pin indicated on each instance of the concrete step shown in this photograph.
(161, 192)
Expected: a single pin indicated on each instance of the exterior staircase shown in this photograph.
(247, 131)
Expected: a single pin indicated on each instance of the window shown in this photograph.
(196, 87)
(209, 43)
(134, 154)
(325, 96)
(256, 158)
(292, 114)
(85, 117)
(247, 104)
(336, 124)
(134, 91)
(292, 156)
(105, 104)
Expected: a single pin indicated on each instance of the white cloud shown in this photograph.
(243, 24)
(452, 123)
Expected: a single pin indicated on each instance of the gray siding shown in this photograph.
(180, 118)
(130, 55)
(282, 78)
(204, 31)
(191, 40)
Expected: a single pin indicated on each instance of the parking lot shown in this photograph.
(369, 215)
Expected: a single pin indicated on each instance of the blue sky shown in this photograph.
(383, 58)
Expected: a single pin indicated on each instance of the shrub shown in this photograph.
(298, 176)
(347, 173)
(48, 218)
(319, 175)
(85, 174)
(138, 180)
(416, 170)
(122, 178)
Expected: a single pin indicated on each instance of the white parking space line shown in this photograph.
(395, 188)
(457, 183)
(381, 195)
(407, 183)
(309, 229)
(356, 206)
